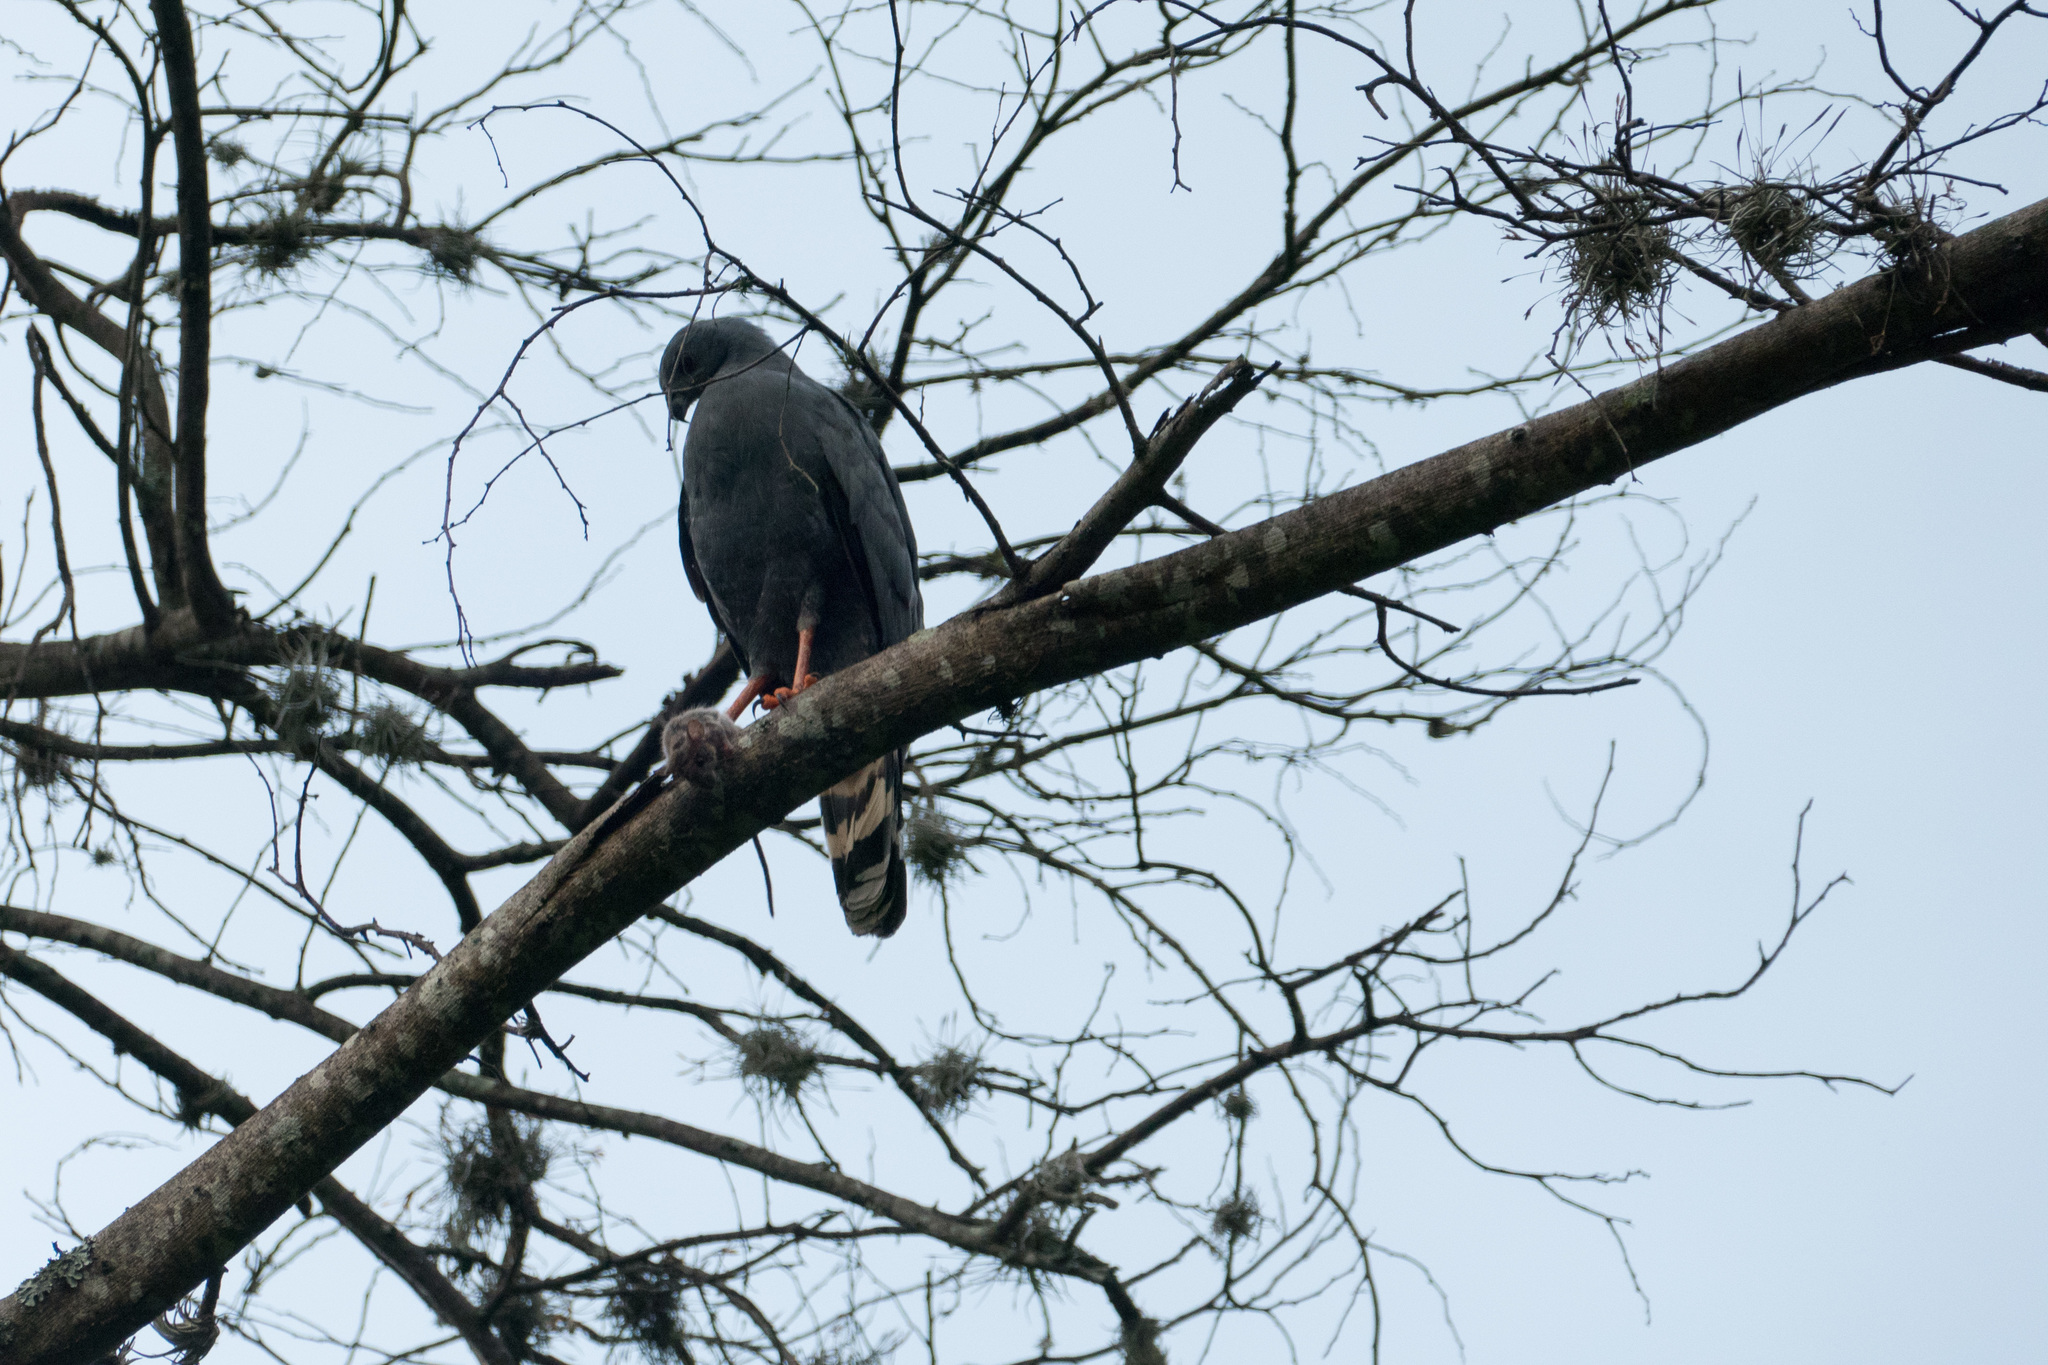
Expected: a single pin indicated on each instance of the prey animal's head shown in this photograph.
(697, 744)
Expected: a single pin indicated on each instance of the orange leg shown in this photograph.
(756, 685)
(804, 676)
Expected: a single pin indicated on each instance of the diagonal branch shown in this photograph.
(448, 865)
(1137, 488)
(294, 1007)
(201, 1093)
(2019, 376)
(1991, 283)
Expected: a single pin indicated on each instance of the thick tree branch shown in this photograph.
(292, 1007)
(1991, 283)
(201, 1093)
(1136, 488)
(57, 742)
(209, 601)
(180, 661)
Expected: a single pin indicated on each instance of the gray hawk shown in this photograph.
(795, 535)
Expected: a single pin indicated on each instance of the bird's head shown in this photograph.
(697, 354)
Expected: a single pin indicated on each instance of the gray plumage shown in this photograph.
(791, 520)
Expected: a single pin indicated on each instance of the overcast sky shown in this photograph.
(1866, 650)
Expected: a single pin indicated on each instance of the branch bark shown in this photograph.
(205, 1093)
(209, 600)
(130, 660)
(293, 1007)
(1983, 287)
(1136, 488)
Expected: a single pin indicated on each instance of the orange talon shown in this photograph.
(771, 700)
(755, 686)
(773, 697)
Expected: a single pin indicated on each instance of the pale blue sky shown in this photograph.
(1867, 645)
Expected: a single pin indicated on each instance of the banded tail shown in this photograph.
(864, 836)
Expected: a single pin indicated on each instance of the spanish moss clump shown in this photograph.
(1238, 1106)
(190, 1328)
(1907, 231)
(1041, 1238)
(323, 194)
(227, 152)
(42, 770)
(943, 248)
(933, 848)
(452, 253)
(394, 734)
(1236, 1218)
(278, 243)
(1063, 1180)
(1620, 265)
(195, 1105)
(491, 1168)
(1139, 1341)
(525, 1321)
(948, 1082)
(1774, 226)
(776, 1060)
(104, 856)
(305, 699)
(647, 1309)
